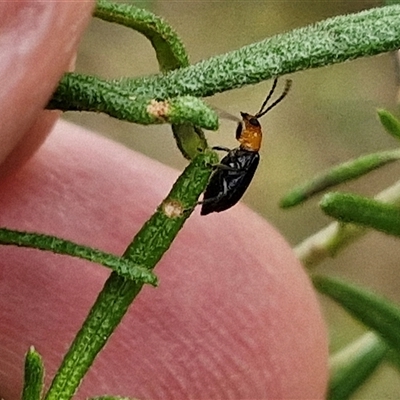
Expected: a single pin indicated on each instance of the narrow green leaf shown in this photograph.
(328, 42)
(191, 109)
(329, 241)
(170, 51)
(342, 173)
(374, 311)
(147, 248)
(390, 123)
(163, 226)
(354, 364)
(60, 246)
(139, 109)
(34, 373)
(363, 211)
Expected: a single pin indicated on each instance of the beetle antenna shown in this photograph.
(278, 100)
(271, 92)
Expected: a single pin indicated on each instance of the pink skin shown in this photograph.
(38, 40)
(235, 316)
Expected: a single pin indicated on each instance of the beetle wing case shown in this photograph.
(227, 186)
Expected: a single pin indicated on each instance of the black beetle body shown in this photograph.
(233, 175)
(227, 186)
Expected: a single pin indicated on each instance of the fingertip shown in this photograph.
(39, 40)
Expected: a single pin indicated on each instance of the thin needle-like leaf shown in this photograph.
(349, 170)
(328, 42)
(372, 310)
(336, 236)
(61, 246)
(390, 123)
(34, 374)
(353, 365)
(170, 51)
(363, 211)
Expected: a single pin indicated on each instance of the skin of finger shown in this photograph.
(38, 40)
(234, 317)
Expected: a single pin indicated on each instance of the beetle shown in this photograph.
(233, 174)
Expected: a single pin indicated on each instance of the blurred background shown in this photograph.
(328, 118)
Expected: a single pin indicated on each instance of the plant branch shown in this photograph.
(140, 109)
(171, 55)
(61, 246)
(147, 248)
(328, 42)
(170, 51)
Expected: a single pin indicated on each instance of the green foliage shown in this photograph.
(374, 311)
(146, 249)
(328, 42)
(61, 246)
(390, 123)
(363, 211)
(170, 51)
(353, 365)
(34, 374)
(173, 97)
(355, 214)
(143, 110)
(171, 54)
(342, 173)
(331, 41)
(352, 368)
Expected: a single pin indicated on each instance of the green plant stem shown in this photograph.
(139, 109)
(189, 138)
(170, 51)
(34, 373)
(61, 246)
(171, 55)
(148, 246)
(328, 42)
(344, 172)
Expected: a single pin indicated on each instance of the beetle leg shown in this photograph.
(216, 198)
(225, 167)
(221, 148)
